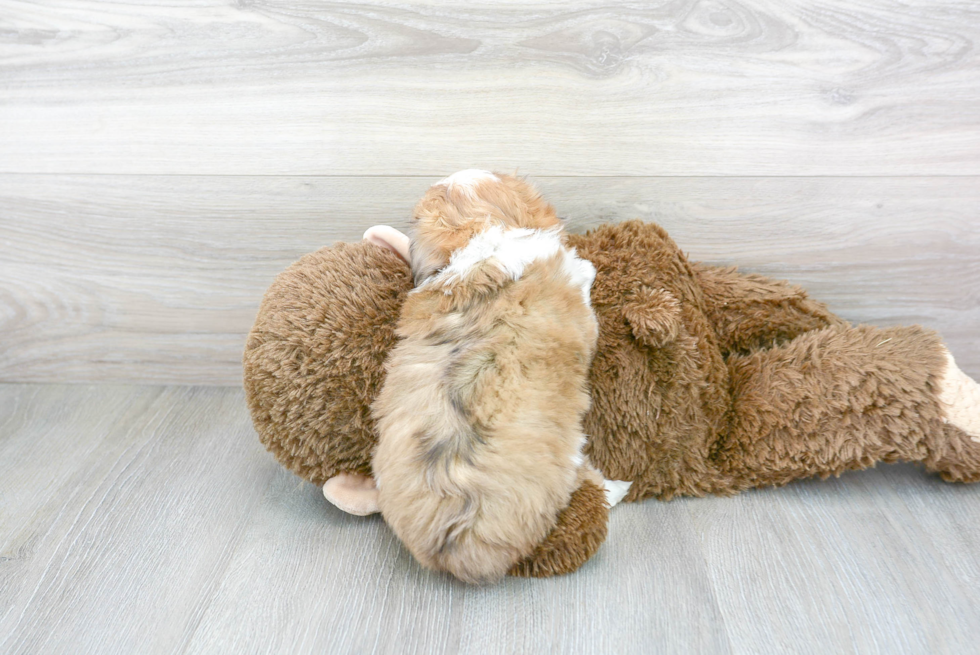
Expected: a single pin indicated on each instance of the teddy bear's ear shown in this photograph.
(580, 530)
(355, 494)
(390, 238)
(654, 315)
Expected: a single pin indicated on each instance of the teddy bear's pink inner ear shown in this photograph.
(355, 494)
(390, 238)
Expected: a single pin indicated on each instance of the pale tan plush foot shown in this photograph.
(615, 490)
(354, 494)
(960, 398)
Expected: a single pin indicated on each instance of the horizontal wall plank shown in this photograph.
(157, 279)
(679, 87)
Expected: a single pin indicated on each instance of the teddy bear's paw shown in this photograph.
(960, 398)
(616, 490)
(352, 493)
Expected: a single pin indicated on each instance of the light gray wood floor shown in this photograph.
(149, 519)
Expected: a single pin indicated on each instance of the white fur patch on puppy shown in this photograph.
(467, 180)
(960, 398)
(512, 249)
(579, 457)
(582, 273)
(616, 490)
(515, 248)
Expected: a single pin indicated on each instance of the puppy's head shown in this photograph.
(465, 204)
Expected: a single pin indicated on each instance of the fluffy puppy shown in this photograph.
(479, 418)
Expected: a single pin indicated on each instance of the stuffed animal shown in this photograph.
(705, 380)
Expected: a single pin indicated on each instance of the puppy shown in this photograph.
(479, 419)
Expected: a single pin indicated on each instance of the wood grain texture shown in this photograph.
(821, 549)
(157, 279)
(148, 519)
(677, 87)
(142, 522)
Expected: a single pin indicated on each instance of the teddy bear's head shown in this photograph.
(314, 360)
(314, 364)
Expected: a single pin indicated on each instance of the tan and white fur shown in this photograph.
(479, 420)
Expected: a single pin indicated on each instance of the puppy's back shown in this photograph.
(480, 415)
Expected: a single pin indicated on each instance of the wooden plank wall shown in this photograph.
(160, 163)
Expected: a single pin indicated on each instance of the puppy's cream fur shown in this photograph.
(480, 414)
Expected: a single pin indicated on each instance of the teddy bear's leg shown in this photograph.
(750, 311)
(845, 398)
(580, 530)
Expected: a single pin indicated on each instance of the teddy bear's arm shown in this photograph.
(751, 311)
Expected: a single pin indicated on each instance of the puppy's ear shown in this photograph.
(355, 494)
(654, 316)
(390, 238)
(580, 530)
(423, 260)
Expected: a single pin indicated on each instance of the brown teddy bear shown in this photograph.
(705, 381)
